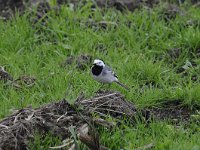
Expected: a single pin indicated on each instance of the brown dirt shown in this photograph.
(22, 81)
(9, 7)
(130, 5)
(42, 9)
(27, 81)
(170, 11)
(57, 118)
(120, 5)
(81, 62)
(173, 111)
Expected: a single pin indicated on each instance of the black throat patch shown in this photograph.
(96, 70)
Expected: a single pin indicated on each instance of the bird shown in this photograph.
(104, 74)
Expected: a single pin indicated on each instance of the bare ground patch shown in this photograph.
(58, 118)
(173, 111)
(22, 81)
(81, 62)
(9, 7)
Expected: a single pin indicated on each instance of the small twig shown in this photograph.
(70, 118)
(16, 118)
(64, 145)
(105, 103)
(40, 118)
(110, 110)
(4, 126)
(30, 116)
(101, 114)
(89, 101)
(112, 106)
(104, 123)
(61, 117)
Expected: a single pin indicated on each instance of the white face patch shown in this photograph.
(99, 62)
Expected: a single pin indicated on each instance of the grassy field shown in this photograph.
(148, 53)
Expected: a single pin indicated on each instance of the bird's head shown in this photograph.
(98, 62)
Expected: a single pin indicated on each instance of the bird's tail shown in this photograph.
(123, 85)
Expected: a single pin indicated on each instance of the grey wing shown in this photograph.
(107, 70)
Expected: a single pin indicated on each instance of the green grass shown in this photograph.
(137, 52)
(160, 134)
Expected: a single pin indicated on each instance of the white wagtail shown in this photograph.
(104, 74)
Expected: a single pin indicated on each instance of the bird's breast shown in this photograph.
(96, 70)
